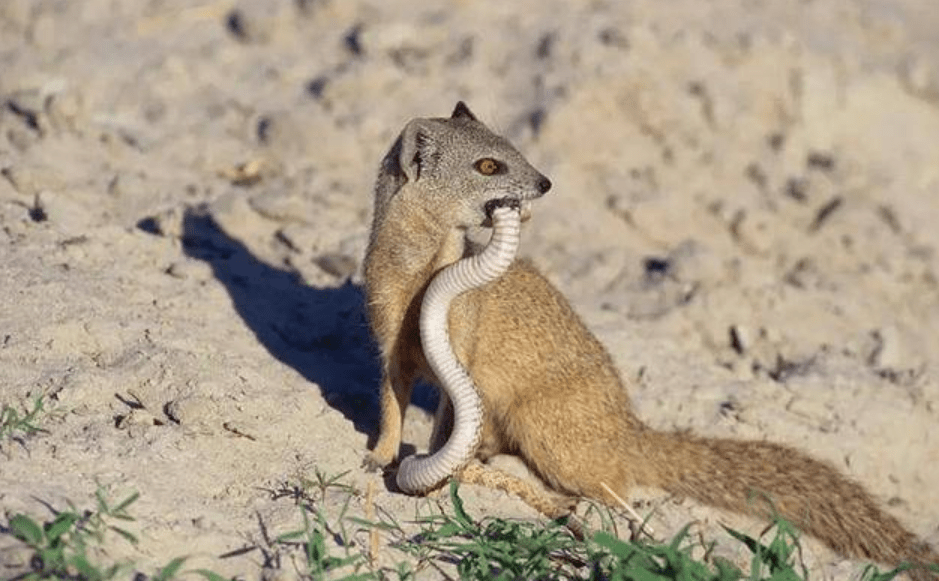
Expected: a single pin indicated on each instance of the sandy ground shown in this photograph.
(745, 207)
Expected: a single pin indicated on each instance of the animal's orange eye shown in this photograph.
(488, 166)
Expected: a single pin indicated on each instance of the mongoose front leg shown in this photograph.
(396, 388)
(420, 474)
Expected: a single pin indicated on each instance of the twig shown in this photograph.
(370, 515)
(642, 522)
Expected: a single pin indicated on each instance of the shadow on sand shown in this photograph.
(320, 332)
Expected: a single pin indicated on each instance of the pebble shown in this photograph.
(740, 338)
(168, 223)
(68, 216)
(888, 350)
(918, 79)
(29, 180)
(337, 264)
(192, 411)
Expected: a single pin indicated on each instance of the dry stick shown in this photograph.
(370, 516)
(642, 522)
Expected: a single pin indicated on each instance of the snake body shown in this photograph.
(420, 473)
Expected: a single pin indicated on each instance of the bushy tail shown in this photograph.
(763, 479)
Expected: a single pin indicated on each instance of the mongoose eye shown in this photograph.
(488, 166)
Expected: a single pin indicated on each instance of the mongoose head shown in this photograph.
(459, 165)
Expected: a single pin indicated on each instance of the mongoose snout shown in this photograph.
(544, 184)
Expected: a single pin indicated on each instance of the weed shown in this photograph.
(72, 545)
(63, 548)
(318, 538)
(322, 483)
(506, 549)
(310, 492)
(316, 551)
(17, 427)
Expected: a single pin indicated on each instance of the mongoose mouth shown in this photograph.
(525, 210)
(524, 213)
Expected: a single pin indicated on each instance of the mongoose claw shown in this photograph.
(372, 464)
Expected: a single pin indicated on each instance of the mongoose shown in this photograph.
(551, 393)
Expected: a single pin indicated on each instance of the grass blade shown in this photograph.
(169, 571)
(210, 575)
(459, 512)
(26, 530)
(126, 502)
(129, 536)
(61, 525)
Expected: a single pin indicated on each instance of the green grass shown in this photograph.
(508, 549)
(504, 549)
(450, 543)
(73, 545)
(16, 426)
(319, 557)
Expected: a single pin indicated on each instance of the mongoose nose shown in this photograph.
(544, 184)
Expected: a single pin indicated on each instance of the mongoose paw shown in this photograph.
(505, 202)
(373, 463)
(568, 503)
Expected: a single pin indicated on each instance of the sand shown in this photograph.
(744, 208)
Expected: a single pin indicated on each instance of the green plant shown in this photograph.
(320, 562)
(778, 556)
(16, 426)
(507, 549)
(496, 548)
(872, 573)
(323, 482)
(319, 537)
(63, 548)
(72, 546)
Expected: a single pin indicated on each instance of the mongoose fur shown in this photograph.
(550, 390)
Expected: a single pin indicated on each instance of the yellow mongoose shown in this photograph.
(550, 390)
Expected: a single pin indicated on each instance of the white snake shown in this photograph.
(418, 474)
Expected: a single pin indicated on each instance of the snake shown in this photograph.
(420, 473)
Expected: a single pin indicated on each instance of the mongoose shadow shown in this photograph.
(322, 333)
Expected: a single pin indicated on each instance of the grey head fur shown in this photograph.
(456, 159)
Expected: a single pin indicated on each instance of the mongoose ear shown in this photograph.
(419, 153)
(462, 112)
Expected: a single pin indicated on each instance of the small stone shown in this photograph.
(918, 78)
(237, 25)
(30, 180)
(740, 338)
(65, 213)
(189, 269)
(752, 231)
(65, 109)
(282, 132)
(796, 188)
(168, 223)
(820, 160)
(192, 411)
(336, 264)
(888, 349)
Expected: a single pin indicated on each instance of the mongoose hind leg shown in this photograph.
(579, 456)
